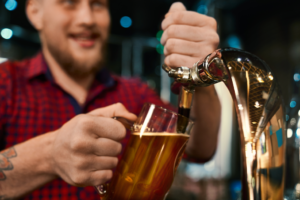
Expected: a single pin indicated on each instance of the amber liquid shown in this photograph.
(148, 166)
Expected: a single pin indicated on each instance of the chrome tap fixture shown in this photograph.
(259, 109)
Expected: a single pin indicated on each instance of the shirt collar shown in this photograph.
(38, 67)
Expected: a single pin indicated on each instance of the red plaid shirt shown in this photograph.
(31, 103)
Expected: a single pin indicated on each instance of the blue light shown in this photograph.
(234, 41)
(202, 9)
(287, 117)
(296, 77)
(11, 5)
(297, 133)
(125, 22)
(293, 104)
(6, 33)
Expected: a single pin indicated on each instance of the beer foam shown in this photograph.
(160, 134)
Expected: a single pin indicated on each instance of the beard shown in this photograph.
(77, 68)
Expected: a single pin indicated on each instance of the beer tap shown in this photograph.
(258, 104)
(186, 79)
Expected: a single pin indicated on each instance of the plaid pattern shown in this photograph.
(31, 103)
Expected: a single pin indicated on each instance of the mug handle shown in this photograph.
(102, 189)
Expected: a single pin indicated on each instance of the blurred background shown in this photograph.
(268, 28)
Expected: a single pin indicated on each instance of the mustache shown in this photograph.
(86, 32)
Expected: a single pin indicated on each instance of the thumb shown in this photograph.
(177, 6)
(115, 110)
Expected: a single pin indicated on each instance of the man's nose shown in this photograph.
(85, 15)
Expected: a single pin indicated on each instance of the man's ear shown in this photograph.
(34, 13)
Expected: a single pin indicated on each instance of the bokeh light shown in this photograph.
(3, 60)
(159, 34)
(289, 133)
(293, 121)
(6, 33)
(160, 49)
(202, 9)
(234, 42)
(293, 104)
(11, 5)
(296, 77)
(126, 22)
(298, 133)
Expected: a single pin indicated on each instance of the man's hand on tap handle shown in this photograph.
(188, 36)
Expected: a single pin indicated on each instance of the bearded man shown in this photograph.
(56, 127)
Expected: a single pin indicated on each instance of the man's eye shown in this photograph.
(69, 2)
(97, 4)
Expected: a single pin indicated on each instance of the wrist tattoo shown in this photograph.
(5, 163)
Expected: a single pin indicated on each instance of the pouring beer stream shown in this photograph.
(259, 109)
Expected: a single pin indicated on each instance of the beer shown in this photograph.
(148, 166)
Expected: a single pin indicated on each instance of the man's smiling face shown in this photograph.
(73, 31)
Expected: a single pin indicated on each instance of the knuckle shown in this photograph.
(170, 45)
(103, 177)
(213, 22)
(167, 60)
(79, 179)
(118, 149)
(119, 105)
(83, 121)
(115, 162)
(215, 39)
(80, 117)
(121, 131)
(177, 16)
(107, 175)
(80, 163)
(172, 60)
(76, 144)
(171, 31)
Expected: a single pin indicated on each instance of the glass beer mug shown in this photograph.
(150, 160)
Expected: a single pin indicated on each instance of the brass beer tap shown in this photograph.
(259, 109)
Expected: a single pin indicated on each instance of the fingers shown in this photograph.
(114, 110)
(178, 46)
(106, 147)
(177, 6)
(92, 178)
(103, 127)
(99, 147)
(188, 37)
(100, 177)
(101, 163)
(189, 33)
(177, 60)
(189, 18)
(95, 126)
(184, 47)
